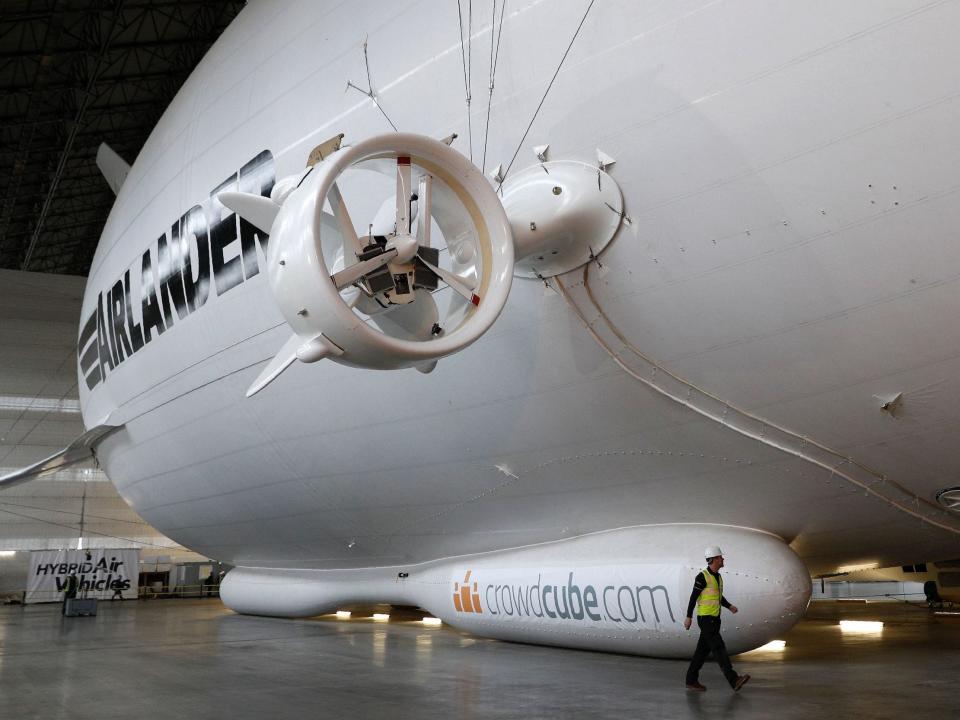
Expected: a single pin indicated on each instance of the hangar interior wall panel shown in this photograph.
(40, 414)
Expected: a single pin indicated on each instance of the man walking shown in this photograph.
(708, 598)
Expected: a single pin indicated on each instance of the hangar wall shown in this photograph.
(39, 415)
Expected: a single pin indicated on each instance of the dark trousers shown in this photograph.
(710, 641)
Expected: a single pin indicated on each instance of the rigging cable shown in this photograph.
(470, 74)
(141, 523)
(466, 60)
(373, 96)
(369, 91)
(23, 411)
(88, 531)
(546, 92)
(494, 57)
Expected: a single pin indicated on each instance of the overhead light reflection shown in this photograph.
(857, 568)
(433, 621)
(39, 404)
(381, 617)
(343, 614)
(861, 626)
(772, 646)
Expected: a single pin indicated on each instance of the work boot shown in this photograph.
(741, 681)
(696, 686)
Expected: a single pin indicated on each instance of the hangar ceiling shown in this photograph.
(73, 74)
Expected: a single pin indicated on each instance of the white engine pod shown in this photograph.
(319, 312)
(563, 214)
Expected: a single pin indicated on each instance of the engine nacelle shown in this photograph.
(367, 300)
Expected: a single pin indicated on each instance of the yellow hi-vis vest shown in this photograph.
(709, 601)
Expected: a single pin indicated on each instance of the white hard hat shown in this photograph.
(712, 552)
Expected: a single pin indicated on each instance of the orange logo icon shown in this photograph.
(463, 599)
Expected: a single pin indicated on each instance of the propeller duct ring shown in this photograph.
(310, 300)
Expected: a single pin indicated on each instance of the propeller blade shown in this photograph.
(350, 275)
(351, 243)
(403, 195)
(424, 198)
(255, 209)
(460, 285)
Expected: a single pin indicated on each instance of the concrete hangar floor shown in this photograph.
(194, 658)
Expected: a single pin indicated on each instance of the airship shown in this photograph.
(509, 313)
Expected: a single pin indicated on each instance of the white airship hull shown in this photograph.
(785, 255)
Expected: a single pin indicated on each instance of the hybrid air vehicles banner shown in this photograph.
(103, 573)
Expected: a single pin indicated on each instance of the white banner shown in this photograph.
(102, 573)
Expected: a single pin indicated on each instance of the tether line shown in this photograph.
(494, 56)
(546, 92)
(466, 58)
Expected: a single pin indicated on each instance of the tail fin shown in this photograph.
(80, 449)
(113, 167)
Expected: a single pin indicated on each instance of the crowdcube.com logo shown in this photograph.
(565, 598)
(466, 599)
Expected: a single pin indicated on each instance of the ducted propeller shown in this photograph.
(376, 308)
